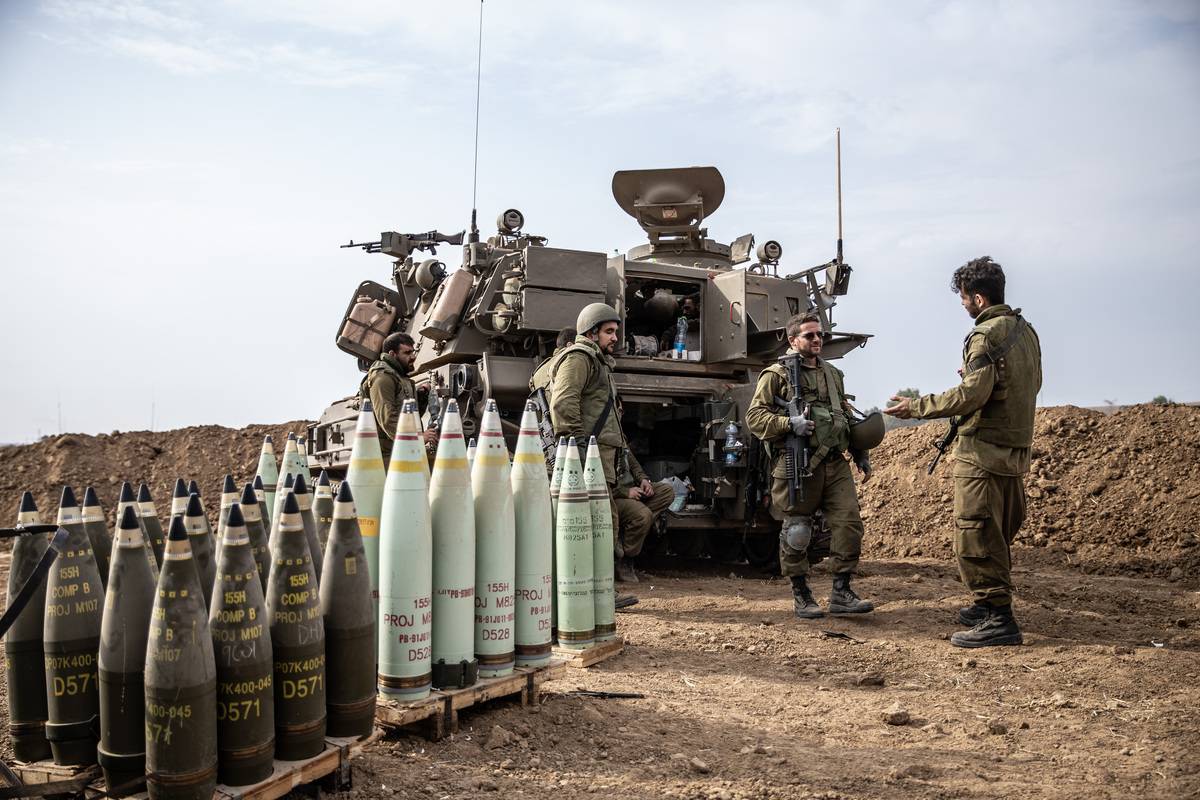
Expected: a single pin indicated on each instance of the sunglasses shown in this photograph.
(811, 335)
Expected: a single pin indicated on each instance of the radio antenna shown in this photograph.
(474, 237)
(839, 191)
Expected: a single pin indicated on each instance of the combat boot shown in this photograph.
(803, 604)
(973, 614)
(843, 600)
(625, 571)
(999, 628)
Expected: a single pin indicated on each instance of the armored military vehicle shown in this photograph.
(700, 320)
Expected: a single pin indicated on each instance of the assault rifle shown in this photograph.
(943, 444)
(545, 426)
(795, 453)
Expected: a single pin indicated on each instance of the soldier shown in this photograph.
(638, 501)
(993, 410)
(583, 403)
(387, 386)
(830, 484)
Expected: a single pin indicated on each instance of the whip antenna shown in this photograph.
(839, 186)
(475, 170)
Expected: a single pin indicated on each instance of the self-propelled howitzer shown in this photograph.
(700, 319)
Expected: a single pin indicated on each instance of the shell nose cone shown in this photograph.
(248, 495)
(235, 516)
(258, 484)
(144, 494)
(229, 487)
(344, 494)
(129, 519)
(290, 506)
(177, 532)
(299, 486)
(89, 497)
(27, 503)
(180, 488)
(194, 509)
(323, 478)
(126, 495)
(68, 498)
(193, 487)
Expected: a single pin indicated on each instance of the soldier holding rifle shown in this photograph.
(801, 413)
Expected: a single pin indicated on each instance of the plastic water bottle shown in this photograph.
(681, 328)
(731, 443)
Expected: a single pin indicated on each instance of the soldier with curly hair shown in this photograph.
(993, 407)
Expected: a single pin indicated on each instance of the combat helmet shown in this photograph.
(867, 432)
(594, 314)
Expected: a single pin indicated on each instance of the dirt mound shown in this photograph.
(203, 453)
(1115, 493)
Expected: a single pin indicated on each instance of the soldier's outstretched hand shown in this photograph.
(901, 407)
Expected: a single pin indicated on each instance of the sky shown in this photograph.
(176, 177)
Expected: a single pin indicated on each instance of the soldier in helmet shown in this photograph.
(993, 408)
(387, 386)
(830, 486)
(583, 403)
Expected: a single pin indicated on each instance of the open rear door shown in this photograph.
(725, 320)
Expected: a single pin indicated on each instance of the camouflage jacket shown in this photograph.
(387, 388)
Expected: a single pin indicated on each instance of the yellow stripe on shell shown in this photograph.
(529, 458)
(450, 463)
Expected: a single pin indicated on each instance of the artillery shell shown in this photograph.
(603, 593)
(252, 516)
(534, 545)
(304, 500)
(23, 656)
(573, 554)
(97, 530)
(495, 549)
(195, 522)
(267, 475)
(322, 508)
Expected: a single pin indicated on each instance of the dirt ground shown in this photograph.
(741, 700)
(744, 701)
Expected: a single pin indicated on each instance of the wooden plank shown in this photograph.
(428, 715)
(47, 771)
(582, 659)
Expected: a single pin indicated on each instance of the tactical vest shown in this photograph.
(832, 432)
(1006, 419)
(407, 389)
(594, 396)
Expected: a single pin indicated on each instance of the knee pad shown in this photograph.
(797, 532)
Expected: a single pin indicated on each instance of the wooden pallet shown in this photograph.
(332, 765)
(437, 714)
(582, 659)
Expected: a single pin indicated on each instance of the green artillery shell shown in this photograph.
(366, 477)
(495, 549)
(268, 474)
(242, 648)
(200, 540)
(264, 506)
(181, 681)
(229, 496)
(302, 451)
(349, 616)
(304, 500)
(123, 633)
(452, 512)
(535, 545)
(97, 530)
(277, 512)
(560, 460)
(252, 516)
(23, 658)
(322, 508)
(573, 553)
(602, 544)
(179, 498)
(71, 639)
(291, 466)
(152, 525)
(406, 566)
(297, 640)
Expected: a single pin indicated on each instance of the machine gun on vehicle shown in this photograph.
(795, 453)
(402, 245)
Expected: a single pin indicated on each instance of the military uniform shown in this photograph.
(995, 404)
(582, 387)
(830, 487)
(387, 387)
(636, 517)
